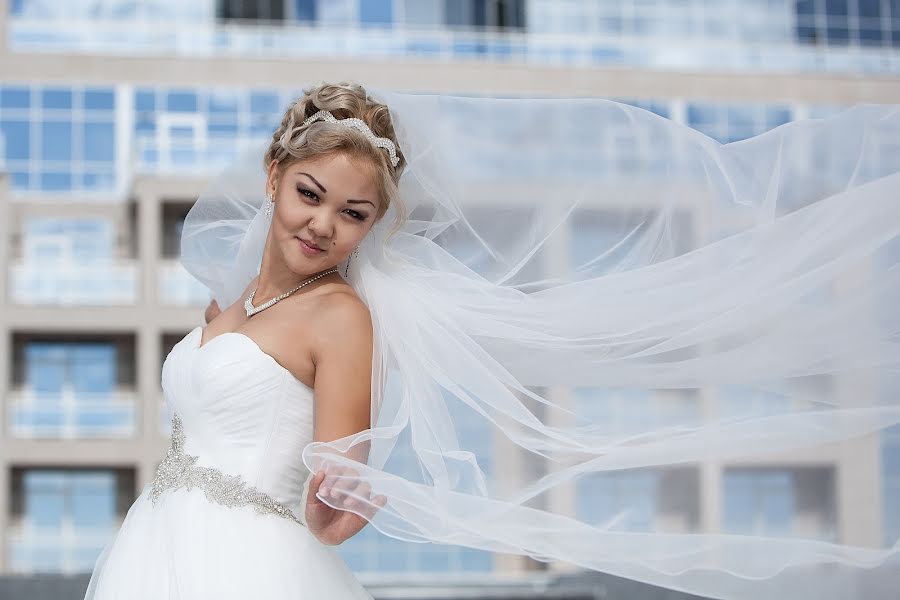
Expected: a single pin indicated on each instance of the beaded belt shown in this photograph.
(178, 470)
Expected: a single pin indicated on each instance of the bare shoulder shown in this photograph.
(343, 321)
(342, 309)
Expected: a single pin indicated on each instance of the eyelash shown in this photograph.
(313, 196)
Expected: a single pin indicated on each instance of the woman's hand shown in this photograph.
(333, 526)
(212, 311)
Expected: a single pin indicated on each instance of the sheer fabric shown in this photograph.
(604, 338)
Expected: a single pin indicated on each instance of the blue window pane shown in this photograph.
(98, 180)
(93, 369)
(224, 129)
(56, 182)
(836, 7)
(45, 367)
(264, 103)
(56, 98)
(15, 97)
(870, 8)
(16, 137)
(145, 123)
(305, 10)
(20, 180)
(476, 560)
(44, 499)
(56, 140)
(99, 100)
(223, 102)
(838, 34)
(94, 500)
(871, 37)
(145, 100)
(99, 142)
(376, 12)
(181, 102)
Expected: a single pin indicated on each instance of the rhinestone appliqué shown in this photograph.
(178, 470)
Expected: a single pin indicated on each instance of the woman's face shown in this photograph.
(329, 203)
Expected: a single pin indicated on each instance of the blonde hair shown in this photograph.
(292, 141)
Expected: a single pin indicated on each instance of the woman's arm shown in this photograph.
(343, 394)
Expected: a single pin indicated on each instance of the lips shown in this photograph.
(309, 245)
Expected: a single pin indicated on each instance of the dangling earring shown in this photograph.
(270, 204)
(352, 254)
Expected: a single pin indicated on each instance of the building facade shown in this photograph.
(114, 113)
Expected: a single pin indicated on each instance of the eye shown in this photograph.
(356, 214)
(308, 193)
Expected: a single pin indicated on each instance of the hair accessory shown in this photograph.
(359, 125)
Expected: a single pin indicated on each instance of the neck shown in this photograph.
(275, 277)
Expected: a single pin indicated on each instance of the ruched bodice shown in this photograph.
(241, 411)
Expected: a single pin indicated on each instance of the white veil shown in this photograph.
(586, 292)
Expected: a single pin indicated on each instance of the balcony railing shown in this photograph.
(63, 550)
(201, 156)
(71, 415)
(693, 47)
(178, 287)
(112, 283)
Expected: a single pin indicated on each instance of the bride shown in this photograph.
(383, 339)
(289, 363)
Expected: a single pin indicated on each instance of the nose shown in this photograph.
(322, 227)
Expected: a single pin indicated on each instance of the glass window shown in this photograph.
(629, 495)
(56, 99)
(45, 367)
(87, 499)
(93, 368)
(223, 102)
(422, 12)
(56, 140)
(305, 10)
(94, 500)
(376, 12)
(56, 181)
(257, 10)
(336, 12)
(99, 142)
(145, 100)
(99, 100)
(836, 7)
(51, 239)
(44, 499)
(181, 101)
(15, 97)
(87, 367)
(264, 102)
(758, 501)
(16, 139)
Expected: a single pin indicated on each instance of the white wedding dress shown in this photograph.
(237, 412)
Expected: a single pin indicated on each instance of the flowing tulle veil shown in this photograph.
(582, 289)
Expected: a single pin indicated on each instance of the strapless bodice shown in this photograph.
(241, 412)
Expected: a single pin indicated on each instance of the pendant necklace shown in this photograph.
(252, 310)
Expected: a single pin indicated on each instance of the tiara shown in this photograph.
(359, 125)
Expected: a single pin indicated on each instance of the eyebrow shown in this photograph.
(324, 191)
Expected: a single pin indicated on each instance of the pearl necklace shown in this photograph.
(252, 310)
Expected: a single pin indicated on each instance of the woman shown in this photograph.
(550, 259)
(308, 351)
